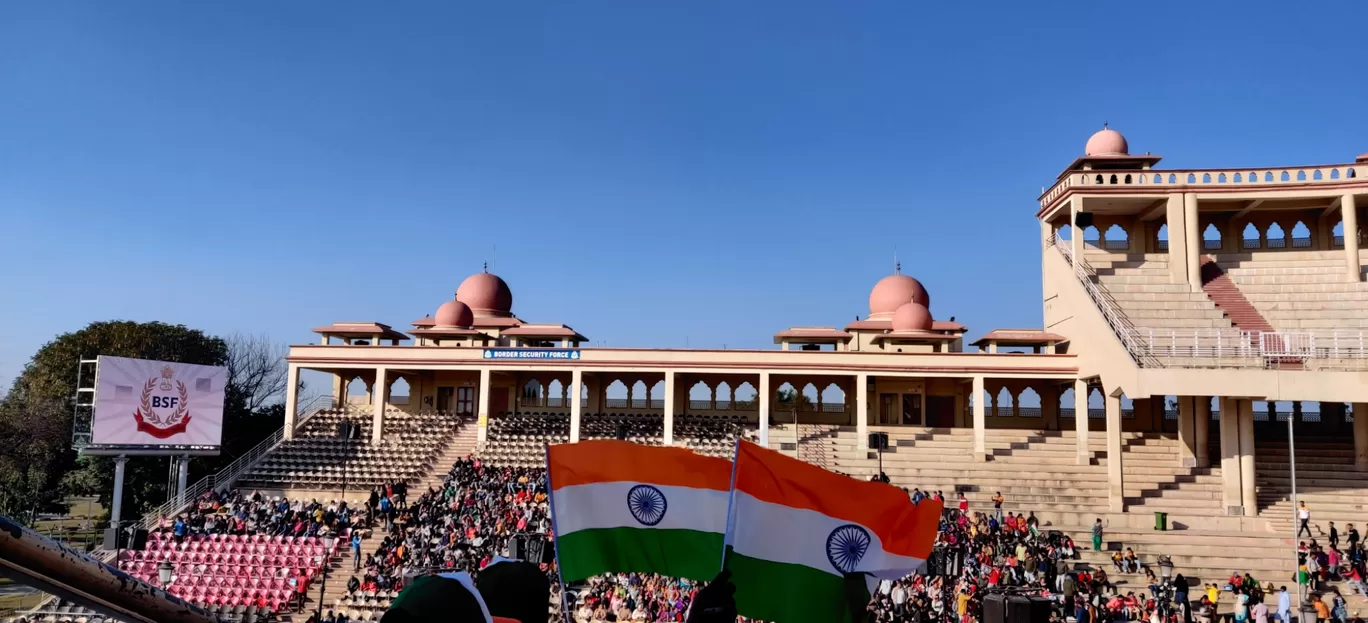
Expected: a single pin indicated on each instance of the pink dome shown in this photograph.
(486, 294)
(1106, 142)
(454, 314)
(912, 317)
(893, 291)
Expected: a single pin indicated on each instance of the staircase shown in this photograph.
(1227, 296)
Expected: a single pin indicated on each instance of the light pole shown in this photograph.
(1292, 467)
(328, 541)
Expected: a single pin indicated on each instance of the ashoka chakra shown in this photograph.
(647, 504)
(846, 546)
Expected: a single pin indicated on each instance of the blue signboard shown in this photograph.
(541, 354)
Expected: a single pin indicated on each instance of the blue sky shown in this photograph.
(653, 174)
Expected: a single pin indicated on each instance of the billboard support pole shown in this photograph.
(116, 505)
(181, 479)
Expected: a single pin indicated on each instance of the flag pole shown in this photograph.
(555, 533)
(731, 504)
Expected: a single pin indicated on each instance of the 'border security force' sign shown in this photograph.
(562, 354)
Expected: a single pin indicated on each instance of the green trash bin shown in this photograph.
(1160, 520)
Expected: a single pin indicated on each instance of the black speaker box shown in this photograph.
(995, 608)
(878, 441)
(1083, 220)
(1023, 609)
(515, 547)
(139, 539)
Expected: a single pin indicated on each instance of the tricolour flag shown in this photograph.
(804, 544)
(622, 507)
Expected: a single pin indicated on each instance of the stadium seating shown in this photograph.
(230, 570)
(1142, 287)
(519, 439)
(1300, 290)
(317, 458)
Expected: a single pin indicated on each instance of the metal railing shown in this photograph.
(232, 471)
(1121, 325)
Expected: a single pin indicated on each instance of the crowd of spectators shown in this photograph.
(237, 513)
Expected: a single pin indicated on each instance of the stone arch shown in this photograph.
(744, 394)
(556, 394)
(1211, 237)
(400, 387)
(832, 394)
(1091, 234)
(357, 387)
(1064, 232)
(1161, 238)
(1066, 402)
(1337, 234)
(1274, 236)
(1301, 235)
(655, 395)
(638, 394)
(615, 395)
(810, 395)
(1097, 403)
(1003, 403)
(700, 395)
(1251, 236)
(1116, 237)
(533, 393)
(1028, 403)
(723, 395)
(786, 394)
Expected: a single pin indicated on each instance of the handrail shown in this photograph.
(230, 473)
(1121, 325)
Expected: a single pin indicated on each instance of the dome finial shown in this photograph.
(1104, 124)
(486, 267)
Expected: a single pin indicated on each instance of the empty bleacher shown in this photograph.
(1300, 290)
(318, 459)
(1142, 287)
(519, 439)
(231, 573)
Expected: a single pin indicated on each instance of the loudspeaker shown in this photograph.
(995, 608)
(347, 430)
(878, 441)
(549, 552)
(1083, 220)
(622, 432)
(1023, 609)
(111, 539)
(139, 540)
(515, 547)
(533, 550)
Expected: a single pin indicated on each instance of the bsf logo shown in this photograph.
(172, 399)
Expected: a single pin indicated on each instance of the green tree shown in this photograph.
(37, 464)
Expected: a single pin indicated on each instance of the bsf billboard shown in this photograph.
(157, 407)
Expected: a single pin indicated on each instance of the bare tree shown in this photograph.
(257, 368)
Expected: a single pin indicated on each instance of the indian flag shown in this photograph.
(805, 544)
(620, 507)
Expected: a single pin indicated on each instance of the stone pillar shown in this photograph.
(980, 421)
(1232, 485)
(292, 400)
(669, 407)
(577, 378)
(182, 478)
(1248, 493)
(1187, 446)
(482, 415)
(862, 411)
(1201, 430)
(379, 396)
(1361, 435)
(1075, 232)
(1177, 239)
(1081, 421)
(1116, 484)
(1194, 241)
(762, 395)
(116, 500)
(1349, 213)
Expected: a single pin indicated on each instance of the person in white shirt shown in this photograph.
(1304, 514)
